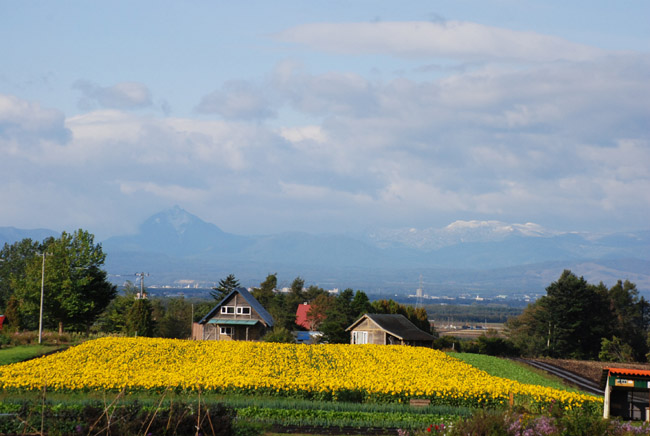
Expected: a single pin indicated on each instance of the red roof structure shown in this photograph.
(301, 316)
(626, 371)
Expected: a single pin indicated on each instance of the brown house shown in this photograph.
(238, 317)
(385, 329)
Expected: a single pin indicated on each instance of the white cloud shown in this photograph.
(451, 39)
(23, 125)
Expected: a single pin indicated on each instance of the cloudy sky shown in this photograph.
(325, 116)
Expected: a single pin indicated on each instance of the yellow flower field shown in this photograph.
(379, 373)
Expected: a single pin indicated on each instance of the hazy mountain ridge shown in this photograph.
(174, 245)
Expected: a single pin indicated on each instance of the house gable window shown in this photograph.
(228, 309)
(226, 331)
(359, 337)
(243, 310)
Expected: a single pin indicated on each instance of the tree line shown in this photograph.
(579, 320)
(78, 297)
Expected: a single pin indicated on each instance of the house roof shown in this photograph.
(397, 325)
(255, 305)
(301, 315)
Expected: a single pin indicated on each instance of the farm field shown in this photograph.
(330, 372)
(324, 385)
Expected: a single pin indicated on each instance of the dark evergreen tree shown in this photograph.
(226, 286)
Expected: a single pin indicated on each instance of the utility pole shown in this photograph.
(40, 316)
(142, 295)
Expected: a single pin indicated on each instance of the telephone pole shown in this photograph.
(142, 295)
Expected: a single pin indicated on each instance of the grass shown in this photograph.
(24, 352)
(512, 370)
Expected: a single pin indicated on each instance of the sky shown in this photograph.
(325, 116)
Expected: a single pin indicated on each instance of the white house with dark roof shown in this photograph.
(387, 329)
(238, 317)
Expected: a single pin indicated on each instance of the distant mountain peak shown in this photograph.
(174, 218)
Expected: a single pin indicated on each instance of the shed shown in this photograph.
(239, 316)
(388, 329)
(626, 393)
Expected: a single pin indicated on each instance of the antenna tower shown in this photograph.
(419, 294)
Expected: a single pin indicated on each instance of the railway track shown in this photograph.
(572, 378)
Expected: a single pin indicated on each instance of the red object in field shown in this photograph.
(2, 320)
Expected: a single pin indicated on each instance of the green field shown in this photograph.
(500, 367)
(24, 352)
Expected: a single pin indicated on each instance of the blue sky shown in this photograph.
(338, 116)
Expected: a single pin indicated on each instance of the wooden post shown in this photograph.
(511, 400)
(608, 390)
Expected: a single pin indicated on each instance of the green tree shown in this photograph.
(572, 319)
(418, 316)
(360, 304)
(266, 292)
(615, 351)
(176, 319)
(338, 318)
(14, 261)
(628, 313)
(226, 286)
(76, 288)
(575, 311)
(139, 319)
(113, 319)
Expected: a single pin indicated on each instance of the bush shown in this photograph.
(481, 423)
(281, 335)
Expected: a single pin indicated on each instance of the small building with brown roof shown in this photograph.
(388, 329)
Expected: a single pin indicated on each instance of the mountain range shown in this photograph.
(488, 257)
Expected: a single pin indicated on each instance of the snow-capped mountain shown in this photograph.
(456, 233)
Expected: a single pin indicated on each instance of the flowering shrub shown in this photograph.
(332, 372)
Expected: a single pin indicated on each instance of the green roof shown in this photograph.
(223, 321)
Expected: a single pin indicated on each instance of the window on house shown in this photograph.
(226, 331)
(359, 337)
(243, 310)
(227, 309)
